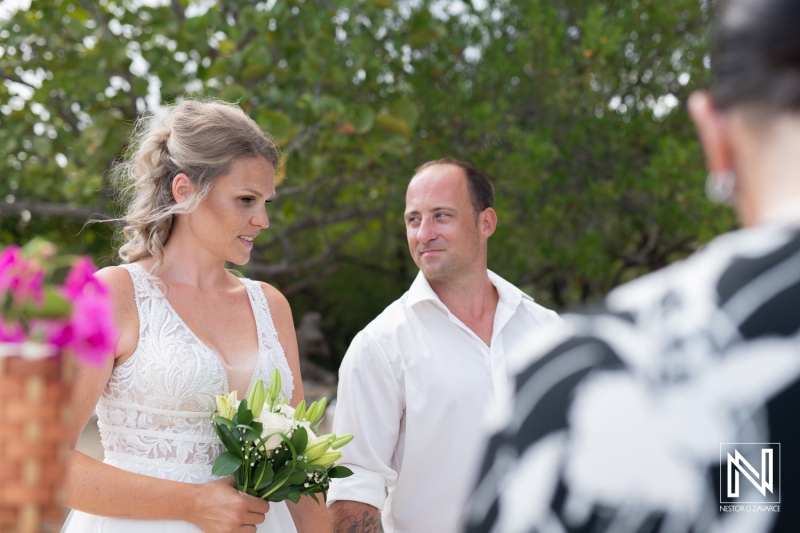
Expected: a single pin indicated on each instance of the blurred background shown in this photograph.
(575, 108)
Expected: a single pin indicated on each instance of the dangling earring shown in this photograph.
(720, 186)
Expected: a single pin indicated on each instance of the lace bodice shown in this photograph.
(154, 414)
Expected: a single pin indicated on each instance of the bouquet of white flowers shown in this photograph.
(272, 449)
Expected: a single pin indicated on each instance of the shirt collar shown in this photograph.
(421, 291)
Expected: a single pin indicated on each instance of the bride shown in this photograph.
(200, 174)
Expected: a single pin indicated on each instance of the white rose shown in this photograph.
(311, 436)
(275, 423)
(287, 410)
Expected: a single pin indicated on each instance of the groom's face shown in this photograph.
(442, 232)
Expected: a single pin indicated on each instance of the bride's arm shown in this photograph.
(308, 515)
(104, 490)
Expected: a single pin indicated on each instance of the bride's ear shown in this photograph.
(713, 131)
(182, 188)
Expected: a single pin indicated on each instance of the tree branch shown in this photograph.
(302, 137)
(54, 210)
(68, 116)
(366, 265)
(308, 281)
(15, 79)
(351, 214)
(98, 17)
(248, 37)
(287, 267)
(177, 7)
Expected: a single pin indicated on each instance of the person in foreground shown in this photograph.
(638, 418)
(200, 175)
(415, 382)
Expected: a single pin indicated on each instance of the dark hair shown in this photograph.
(481, 191)
(756, 59)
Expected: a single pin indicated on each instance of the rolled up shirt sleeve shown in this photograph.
(370, 406)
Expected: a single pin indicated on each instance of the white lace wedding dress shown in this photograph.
(154, 414)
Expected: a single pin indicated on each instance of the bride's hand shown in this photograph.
(220, 508)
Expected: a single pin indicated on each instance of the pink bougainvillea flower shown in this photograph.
(81, 280)
(22, 278)
(60, 334)
(11, 332)
(85, 327)
(55, 332)
(9, 261)
(92, 328)
(28, 285)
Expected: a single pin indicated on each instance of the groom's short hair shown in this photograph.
(481, 190)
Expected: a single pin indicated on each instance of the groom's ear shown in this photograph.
(487, 222)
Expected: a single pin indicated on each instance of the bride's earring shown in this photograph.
(720, 185)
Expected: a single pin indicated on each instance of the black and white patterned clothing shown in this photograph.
(618, 419)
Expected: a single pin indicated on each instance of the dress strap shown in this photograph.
(268, 338)
(261, 308)
(142, 291)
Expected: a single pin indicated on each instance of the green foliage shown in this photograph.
(573, 107)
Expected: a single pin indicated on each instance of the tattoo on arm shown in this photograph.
(369, 523)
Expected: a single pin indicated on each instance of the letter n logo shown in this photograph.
(749, 472)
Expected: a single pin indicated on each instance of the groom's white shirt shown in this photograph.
(413, 389)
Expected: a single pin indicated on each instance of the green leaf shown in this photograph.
(300, 440)
(227, 47)
(307, 467)
(279, 495)
(254, 71)
(226, 464)
(230, 439)
(250, 434)
(264, 475)
(54, 306)
(297, 478)
(257, 427)
(245, 414)
(233, 93)
(392, 123)
(339, 472)
(363, 118)
(294, 496)
(277, 485)
(222, 420)
(346, 4)
(278, 124)
(327, 103)
(282, 456)
(406, 111)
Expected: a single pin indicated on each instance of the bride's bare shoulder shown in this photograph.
(117, 279)
(119, 282)
(276, 300)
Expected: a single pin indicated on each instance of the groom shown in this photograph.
(416, 382)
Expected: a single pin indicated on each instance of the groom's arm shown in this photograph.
(370, 406)
(354, 517)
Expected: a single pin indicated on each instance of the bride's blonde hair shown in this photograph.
(201, 139)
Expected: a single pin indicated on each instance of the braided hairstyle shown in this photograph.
(201, 139)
